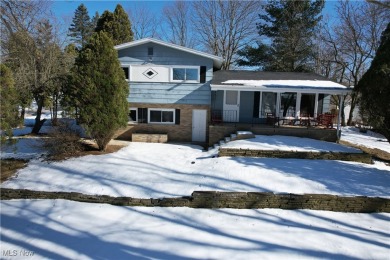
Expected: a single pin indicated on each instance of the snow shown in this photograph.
(287, 83)
(60, 229)
(289, 143)
(146, 170)
(370, 139)
(23, 149)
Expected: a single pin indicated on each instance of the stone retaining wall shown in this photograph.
(149, 138)
(356, 157)
(218, 132)
(215, 199)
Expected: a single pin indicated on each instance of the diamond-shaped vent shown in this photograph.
(150, 73)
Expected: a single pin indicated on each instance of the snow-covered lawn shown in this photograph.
(289, 143)
(369, 139)
(59, 229)
(147, 170)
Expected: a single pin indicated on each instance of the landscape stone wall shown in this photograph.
(149, 138)
(215, 199)
(219, 132)
(356, 157)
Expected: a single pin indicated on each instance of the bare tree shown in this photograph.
(144, 22)
(224, 27)
(176, 16)
(383, 3)
(351, 44)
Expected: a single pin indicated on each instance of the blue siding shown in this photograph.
(246, 106)
(169, 93)
(217, 100)
(160, 93)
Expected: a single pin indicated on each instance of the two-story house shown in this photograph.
(182, 92)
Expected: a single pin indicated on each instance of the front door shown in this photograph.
(199, 117)
(231, 106)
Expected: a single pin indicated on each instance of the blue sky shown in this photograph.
(67, 8)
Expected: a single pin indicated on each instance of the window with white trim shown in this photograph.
(133, 115)
(185, 74)
(161, 116)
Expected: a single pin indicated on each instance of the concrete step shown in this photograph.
(222, 142)
(227, 139)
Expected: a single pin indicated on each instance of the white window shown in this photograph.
(161, 116)
(186, 74)
(133, 115)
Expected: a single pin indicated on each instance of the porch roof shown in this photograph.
(276, 82)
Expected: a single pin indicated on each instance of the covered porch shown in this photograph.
(276, 103)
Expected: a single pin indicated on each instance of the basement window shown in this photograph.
(161, 116)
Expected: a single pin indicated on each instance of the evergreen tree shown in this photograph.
(9, 102)
(81, 28)
(117, 25)
(290, 25)
(95, 20)
(103, 89)
(374, 88)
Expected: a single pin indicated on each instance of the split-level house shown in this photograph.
(182, 93)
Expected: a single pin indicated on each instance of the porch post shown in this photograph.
(341, 102)
(298, 105)
(277, 105)
(316, 106)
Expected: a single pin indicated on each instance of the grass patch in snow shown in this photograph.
(10, 166)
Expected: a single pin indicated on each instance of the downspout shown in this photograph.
(341, 102)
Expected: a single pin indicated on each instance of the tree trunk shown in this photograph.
(353, 105)
(38, 122)
(22, 114)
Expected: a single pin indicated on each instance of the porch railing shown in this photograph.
(220, 116)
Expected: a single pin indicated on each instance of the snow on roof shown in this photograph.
(287, 83)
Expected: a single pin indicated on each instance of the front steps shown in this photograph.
(239, 135)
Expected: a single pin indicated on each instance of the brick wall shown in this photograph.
(176, 133)
(355, 157)
(215, 199)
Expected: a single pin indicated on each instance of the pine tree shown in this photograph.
(103, 89)
(374, 88)
(117, 25)
(290, 25)
(81, 28)
(9, 102)
(95, 20)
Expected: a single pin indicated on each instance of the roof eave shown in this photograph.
(309, 90)
(217, 61)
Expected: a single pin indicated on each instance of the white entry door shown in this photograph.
(231, 106)
(199, 117)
